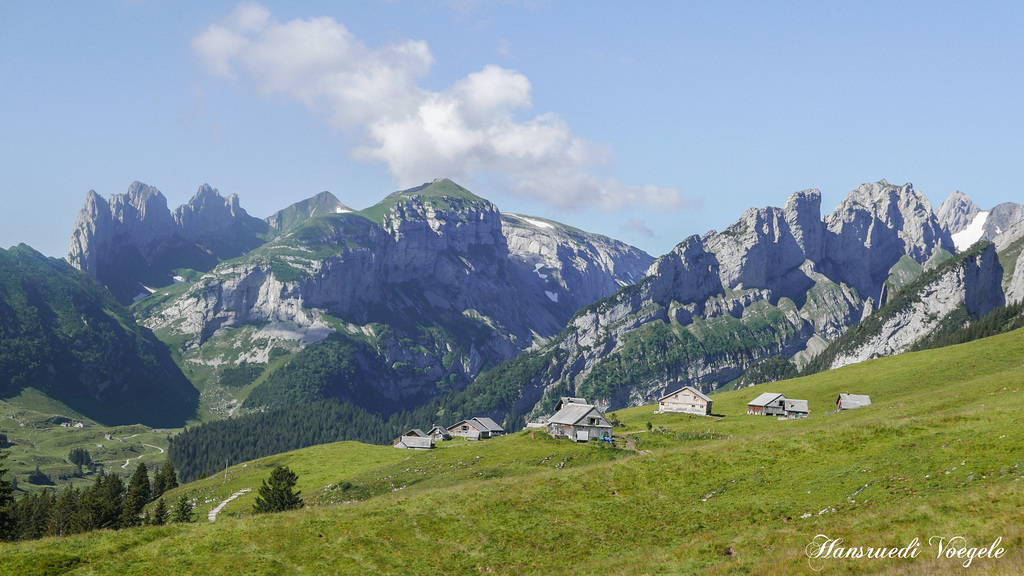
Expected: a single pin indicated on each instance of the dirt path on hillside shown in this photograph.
(631, 445)
(213, 513)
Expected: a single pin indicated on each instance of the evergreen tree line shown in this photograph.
(998, 321)
(107, 504)
(207, 448)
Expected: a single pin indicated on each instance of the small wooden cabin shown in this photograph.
(493, 429)
(796, 408)
(439, 433)
(767, 404)
(414, 438)
(687, 400)
(579, 422)
(469, 429)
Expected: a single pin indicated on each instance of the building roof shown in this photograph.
(438, 430)
(796, 406)
(690, 388)
(569, 400)
(415, 442)
(472, 423)
(766, 399)
(853, 400)
(489, 424)
(572, 414)
(415, 432)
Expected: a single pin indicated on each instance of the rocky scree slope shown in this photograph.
(411, 297)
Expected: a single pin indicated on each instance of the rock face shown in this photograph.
(972, 282)
(133, 241)
(568, 266)
(777, 282)
(873, 228)
(957, 212)
(428, 287)
(1010, 247)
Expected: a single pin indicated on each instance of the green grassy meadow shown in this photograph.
(36, 439)
(937, 454)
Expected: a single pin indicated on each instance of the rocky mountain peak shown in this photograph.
(320, 205)
(689, 273)
(873, 227)
(133, 240)
(208, 212)
(957, 212)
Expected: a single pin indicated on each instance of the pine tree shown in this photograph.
(158, 484)
(278, 495)
(136, 497)
(182, 510)
(110, 502)
(159, 516)
(7, 525)
(64, 510)
(169, 478)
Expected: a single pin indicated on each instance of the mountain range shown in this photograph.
(434, 288)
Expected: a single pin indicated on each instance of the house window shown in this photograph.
(592, 421)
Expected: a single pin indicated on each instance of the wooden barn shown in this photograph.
(469, 429)
(579, 422)
(767, 404)
(414, 438)
(687, 400)
(796, 408)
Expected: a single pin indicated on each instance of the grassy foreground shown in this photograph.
(938, 454)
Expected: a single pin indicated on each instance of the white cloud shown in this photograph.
(473, 131)
(639, 227)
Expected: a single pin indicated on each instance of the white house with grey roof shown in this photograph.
(579, 422)
(687, 400)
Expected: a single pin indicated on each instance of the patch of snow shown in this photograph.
(142, 295)
(342, 211)
(552, 295)
(179, 280)
(537, 223)
(974, 231)
(537, 271)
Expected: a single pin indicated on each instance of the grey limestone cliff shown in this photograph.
(132, 242)
(433, 282)
(777, 282)
(972, 282)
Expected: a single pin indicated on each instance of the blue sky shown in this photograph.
(645, 121)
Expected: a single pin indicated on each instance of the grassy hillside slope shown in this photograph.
(36, 438)
(938, 454)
